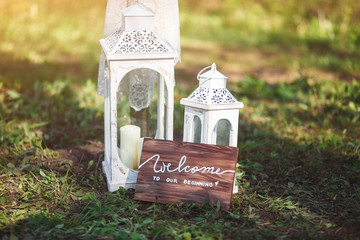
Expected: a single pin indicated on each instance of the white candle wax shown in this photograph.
(129, 136)
(127, 158)
(139, 149)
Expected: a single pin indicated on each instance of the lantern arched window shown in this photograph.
(197, 126)
(222, 133)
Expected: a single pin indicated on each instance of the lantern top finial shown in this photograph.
(137, 10)
(213, 67)
(213, 73)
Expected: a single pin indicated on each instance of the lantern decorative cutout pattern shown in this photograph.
(136, 58)
(211, 111)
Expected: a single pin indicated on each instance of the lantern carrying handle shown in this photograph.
(199, 77)
(213, 68)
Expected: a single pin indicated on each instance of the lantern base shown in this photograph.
(115, 179)
(235, 188)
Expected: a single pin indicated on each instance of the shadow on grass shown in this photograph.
(295, 191)
(60, 95)
(22, 74)
(323, 178)
(323, 55)
(293, 50)
(321, 106)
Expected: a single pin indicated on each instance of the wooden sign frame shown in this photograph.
(173, 172)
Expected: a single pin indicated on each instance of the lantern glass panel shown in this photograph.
(222, 132)
(197, 130)
(139, 101)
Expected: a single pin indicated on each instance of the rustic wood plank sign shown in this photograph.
(173, 172)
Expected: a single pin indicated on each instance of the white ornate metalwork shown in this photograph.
(136, 37)
(113, 39)
(217, 96)
(166, 22)
(129, 42)
(141, 86)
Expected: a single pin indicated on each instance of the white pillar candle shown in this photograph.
(129, 137)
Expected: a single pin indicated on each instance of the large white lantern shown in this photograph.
(137, 58)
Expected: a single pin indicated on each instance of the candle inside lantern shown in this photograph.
(139, 149)
(126, 157)
(129, 137)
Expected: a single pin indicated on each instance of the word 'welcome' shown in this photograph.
(181, 168)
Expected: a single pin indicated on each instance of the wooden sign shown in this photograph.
(173, 172)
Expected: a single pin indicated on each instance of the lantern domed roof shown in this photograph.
(136, 36)
(212, 92)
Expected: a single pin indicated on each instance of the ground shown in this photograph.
(295, 67)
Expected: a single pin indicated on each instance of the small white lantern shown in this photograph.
(136, 58)
(211, 111)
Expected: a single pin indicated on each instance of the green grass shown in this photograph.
(295, 67)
